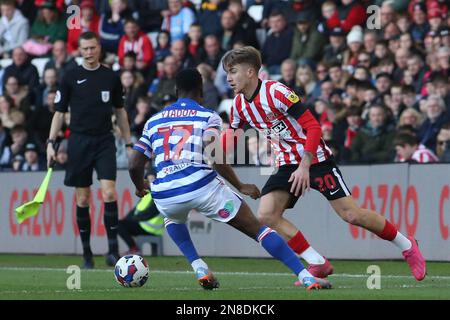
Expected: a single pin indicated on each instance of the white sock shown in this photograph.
(199, 263)
(402, 242)
(312, 256)
(304, 274)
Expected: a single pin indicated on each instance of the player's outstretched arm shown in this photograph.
(136, 167)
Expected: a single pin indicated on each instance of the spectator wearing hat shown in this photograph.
(308, 42)
(14, 28)
(334, 51)
(32, 161)
(420, 25)
(50, 25)
(355, 46)
(89, 22)
(349, 14)
(278, 42)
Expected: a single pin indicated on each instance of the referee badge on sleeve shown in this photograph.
(105, 96)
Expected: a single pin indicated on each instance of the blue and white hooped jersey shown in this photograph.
(175, 137)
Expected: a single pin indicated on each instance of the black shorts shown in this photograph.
(325, 177)
(86, 153)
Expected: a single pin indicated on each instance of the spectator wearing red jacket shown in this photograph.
(349, 14)
(137, 41)
(89, 22)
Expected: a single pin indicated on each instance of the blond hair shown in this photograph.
(245, 55)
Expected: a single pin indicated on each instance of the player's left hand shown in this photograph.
(300, 181)
(250, 190)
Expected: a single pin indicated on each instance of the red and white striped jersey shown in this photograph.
(267, 112)
(424, 155)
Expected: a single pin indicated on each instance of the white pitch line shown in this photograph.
(258, 274)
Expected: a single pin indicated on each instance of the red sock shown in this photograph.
(298, 243)
(389, 232)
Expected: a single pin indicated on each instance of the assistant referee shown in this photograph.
(91, 93)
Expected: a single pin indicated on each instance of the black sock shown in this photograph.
(111, 221)
(126, 235)
(84, 226)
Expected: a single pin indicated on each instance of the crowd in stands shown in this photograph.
(377, 83)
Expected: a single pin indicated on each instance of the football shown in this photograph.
(131, 271)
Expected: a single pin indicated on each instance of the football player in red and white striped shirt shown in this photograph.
(409, 150)
(303, 161)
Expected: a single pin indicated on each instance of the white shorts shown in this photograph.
(218, 202)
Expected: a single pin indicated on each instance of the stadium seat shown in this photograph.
(155, 242)
(256, 12)
(40, 63)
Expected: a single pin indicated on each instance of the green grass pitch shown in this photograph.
(44, 277)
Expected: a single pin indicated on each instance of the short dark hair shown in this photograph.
(189, 80)
(88, 35)
(403, 139)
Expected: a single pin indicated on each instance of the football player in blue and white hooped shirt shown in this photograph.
(176, 137)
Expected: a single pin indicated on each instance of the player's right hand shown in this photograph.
(51, 154)
(250, 190)
(141, 193)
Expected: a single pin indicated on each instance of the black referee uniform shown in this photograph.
(91, 96)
